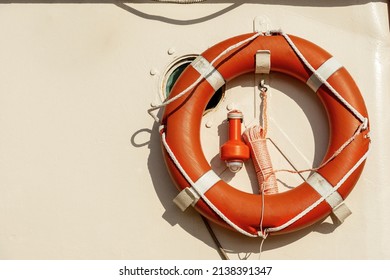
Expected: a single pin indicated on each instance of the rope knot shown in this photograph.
(263, 233)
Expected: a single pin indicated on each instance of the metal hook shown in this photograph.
(262, 86)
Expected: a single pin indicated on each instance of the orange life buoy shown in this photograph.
(246, 212)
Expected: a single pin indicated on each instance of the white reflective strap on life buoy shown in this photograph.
(206, 181)
(323, 187)
(189, 196)
(213, 77)
(325, 71)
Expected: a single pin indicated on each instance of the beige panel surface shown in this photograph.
(81, 170)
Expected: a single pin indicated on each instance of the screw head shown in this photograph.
(153, 71)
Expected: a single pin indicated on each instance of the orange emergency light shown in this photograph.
(234, 152)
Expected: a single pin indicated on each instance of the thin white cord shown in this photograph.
(261, 247)
(262, 233)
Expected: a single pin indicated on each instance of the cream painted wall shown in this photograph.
(81, 170)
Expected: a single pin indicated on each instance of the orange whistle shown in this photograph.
(234, 152)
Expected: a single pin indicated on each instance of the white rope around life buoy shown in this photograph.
(264, 232)
(357, 114)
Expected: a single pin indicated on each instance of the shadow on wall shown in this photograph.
(165, 189)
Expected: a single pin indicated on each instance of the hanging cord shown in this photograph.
(256, 138)
(181, 94)
(262, 233)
